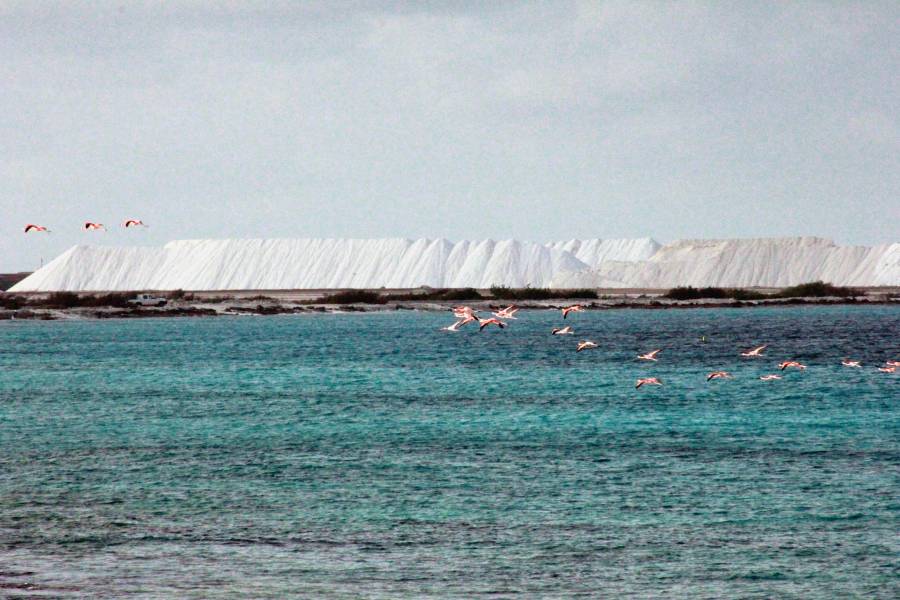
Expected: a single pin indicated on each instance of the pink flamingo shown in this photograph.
(574, 308)
(506, 313)
(485, 322)
(647, 381)
(459, 324)
(718, 375)
(461, 312)
(755, 352)
(649, 355)
(788, 364)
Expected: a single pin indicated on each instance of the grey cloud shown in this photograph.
(535, 120)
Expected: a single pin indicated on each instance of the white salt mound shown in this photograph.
(399, 263)
(766, 262)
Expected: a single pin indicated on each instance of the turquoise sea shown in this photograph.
(374, 456)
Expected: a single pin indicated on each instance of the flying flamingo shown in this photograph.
(647, 381)
(649, 355)
(458, 324)
(791, 363)
(567, 330)
(718, 375)
(585, 345)
(485, 322)
(93, 226)
(892, 363)
(506, 313)
(850, 363)
(755, 352)
(769, 377)
(454, 328)
(461, 312)
(35, 228)
(890, 369)
(574, 308)
(133, 223)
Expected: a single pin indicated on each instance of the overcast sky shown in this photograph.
(536, 121)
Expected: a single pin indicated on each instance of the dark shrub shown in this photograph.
(429, 294)
(59, 300)
(818, 289)
(692, 293)
(742, 294)
(501, 292)
(354, 297)
(11, 301)
(459, 294)
(70, 300)
(115, 300)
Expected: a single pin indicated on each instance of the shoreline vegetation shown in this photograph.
(69, 305)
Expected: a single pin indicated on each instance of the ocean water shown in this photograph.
(374, 456)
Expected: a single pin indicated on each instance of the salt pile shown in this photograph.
(266, 264)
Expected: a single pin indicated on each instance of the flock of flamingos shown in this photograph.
(465, 315)
(88, 226)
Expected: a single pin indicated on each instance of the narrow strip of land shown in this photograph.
(84, 305)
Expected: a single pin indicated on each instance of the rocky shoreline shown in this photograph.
(271, 306)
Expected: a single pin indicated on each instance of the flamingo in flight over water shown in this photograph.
(851, 363)
(461, 312)
(35, 228)
(788, 364)
(718, 375)
(769, 377)
(567, 330)
(459, 324)
(649, 355)
(506, 313)
(574, 308)
(887, 369)
(133, 223)
(585, 345)
(486, 322)
(647, 381)
(755, 352)
(93, 226)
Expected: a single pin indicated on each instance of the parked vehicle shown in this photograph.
(148, 300)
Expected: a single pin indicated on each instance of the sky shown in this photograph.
(464, 120)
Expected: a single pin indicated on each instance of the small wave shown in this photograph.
(759, 576)
(850, 517)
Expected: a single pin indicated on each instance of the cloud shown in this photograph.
(369, 119)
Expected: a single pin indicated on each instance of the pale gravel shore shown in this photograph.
(238, 305)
